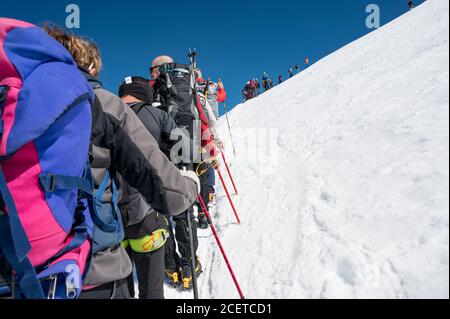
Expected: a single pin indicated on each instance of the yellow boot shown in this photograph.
(173, 278)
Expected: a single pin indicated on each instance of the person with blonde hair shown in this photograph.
(123, 148)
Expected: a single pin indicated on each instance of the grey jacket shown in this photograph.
(122, 145)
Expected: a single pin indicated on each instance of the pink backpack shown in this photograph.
(45, 130)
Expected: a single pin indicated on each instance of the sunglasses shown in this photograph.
(153, 68)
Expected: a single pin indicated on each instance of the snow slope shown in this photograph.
(354, 200)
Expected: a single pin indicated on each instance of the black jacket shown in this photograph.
(160, 125)
(158, 122)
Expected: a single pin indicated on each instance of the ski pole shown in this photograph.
(216, 236)
(228, 169)
(193, 259)
(192, 251)
(228, 195)
(229, 127)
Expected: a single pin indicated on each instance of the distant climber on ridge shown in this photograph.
(265, 81)
(280, 79)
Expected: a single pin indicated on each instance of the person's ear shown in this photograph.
(93, 72)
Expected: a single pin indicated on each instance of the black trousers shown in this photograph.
(173, 260)
(112, 290)
(204, 188)
(150, 274)
(149, 266)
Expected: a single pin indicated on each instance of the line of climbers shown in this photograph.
(253, 88)
(91, 182)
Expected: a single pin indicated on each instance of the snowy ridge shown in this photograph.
(357, 205)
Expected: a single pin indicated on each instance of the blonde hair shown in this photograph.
(93, 54)
(85, 53)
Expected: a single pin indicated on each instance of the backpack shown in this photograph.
(45, 127)
(175, 88)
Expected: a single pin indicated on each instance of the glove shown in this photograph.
(214, 162)
(194, 177)
(219, 143)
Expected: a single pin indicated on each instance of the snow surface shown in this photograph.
(353, 201)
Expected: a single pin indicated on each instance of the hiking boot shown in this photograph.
(186, 277)
(211, 194)
(202, 221)
(173, 278)
(198, 267)
(186, 274)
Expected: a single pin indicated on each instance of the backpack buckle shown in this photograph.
(71, 293)
(52, 184)
(52, 289)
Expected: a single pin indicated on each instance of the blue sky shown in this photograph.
(236, 40)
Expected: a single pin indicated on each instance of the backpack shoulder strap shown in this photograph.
(15, 246)
(137, 108)
(98, 201)
(3, 93)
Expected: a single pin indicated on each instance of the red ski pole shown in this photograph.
(228, 169)
(208, 217)
(228, 195)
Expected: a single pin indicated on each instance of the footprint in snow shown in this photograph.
(326, 197)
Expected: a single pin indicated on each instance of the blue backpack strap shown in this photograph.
(80, 237)
(115, 195)
(93, 199)
(101, 189)
(20, 239)
(3, 92)
(98, 200)
(52, 182)
(30, 286)
(5, 291)
(15, 246)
